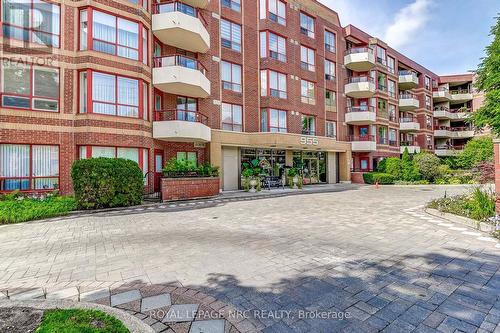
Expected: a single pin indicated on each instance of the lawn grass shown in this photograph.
(79, 321)
(18, 209)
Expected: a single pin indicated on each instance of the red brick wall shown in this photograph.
(357, 177)
(188, 188)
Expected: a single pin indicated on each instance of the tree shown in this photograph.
(475, 151)
(488, 81)
(409, 171)
(428, 166)
(393, 167)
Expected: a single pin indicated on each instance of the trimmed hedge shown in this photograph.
(107, 182)
(382, 178)
(20, 209)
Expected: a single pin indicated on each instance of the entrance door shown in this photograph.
(158, 169)
(311, 171)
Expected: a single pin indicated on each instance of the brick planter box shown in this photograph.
(173, 189)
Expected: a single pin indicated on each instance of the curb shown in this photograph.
(471, 223)
(134, 324)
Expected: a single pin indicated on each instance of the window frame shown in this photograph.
(308, 99)
(30, 176)
(232, 83)
(90, 35)
(268, 129)
(305, 30)
(275, 16)
(306, 64)
(331, 107)
(30, 29)
(271, 92)
(328, 47)
(327, 128)
(143, 102)
(231, 32)
(229, 4)
(140, 152)
(268, 50)
(329, 64)
(232, 124)
(31, 96)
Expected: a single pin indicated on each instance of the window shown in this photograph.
(382, 108)
(272, 46)
(382, 135)
(232, 117)
(381, 81)
(189, 156)
(113, 95)
(391, 88)
(381, 55)
(307, 25)
(275, 10)
(329, 70)
(230, 35)
(158, 103)
(307, 92)
(272, 120)
(392, 112)
(330, 101)
(29, 87)
(186, 108)
(29, 167)
(307, 61)
(308, 125)
(330, 41)
(113, 35)
(391, 64)
(428, 102)
(331, 129)
(232, 4)
(138, 155)
(273, 84)
(393, 137)
(427, 83)
(35, 21)
(142, 3)
(231, 76)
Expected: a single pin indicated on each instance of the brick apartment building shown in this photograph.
(224, 81)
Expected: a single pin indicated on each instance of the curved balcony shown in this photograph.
(180, 25)
(181, 75)
(363, 143)
(360, 87)
(460, 96)
(441, 95)
(408, 102)
(407, 80)
(443, 112)
(359, 59)
(453, 132)
(197, 3)
(360, 115)
(412, 146)
(181, 126)
(409, 125)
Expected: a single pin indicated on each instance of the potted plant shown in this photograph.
(293, 176)
(251, 174)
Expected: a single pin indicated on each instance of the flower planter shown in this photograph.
(173, 189)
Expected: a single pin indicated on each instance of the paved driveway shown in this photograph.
(371, 255)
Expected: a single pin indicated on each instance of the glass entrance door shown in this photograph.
(311, 171)
(312, 166)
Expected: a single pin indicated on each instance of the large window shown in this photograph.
(232, 117)
(231, 76)
(381, 55)
(427, 83)
(308, 125)
(329, 41)
(29, 167)
(186, 108)
(230, 35)
(391, 88)
(329, 70)
(272, 46)
(306, 25)
(330, 101)
(307, 94)
(381, 81)
(391, 64)
(138, 155)
(113, 95)
(29, 87)
(34, 21)
(272, 120)
(232, 4)
(428, 102)
(331, 129)
(275, 10)
(307, 60)
(273, 84)
(113, 35)
(382, 108)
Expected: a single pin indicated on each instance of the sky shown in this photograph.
(445, 36)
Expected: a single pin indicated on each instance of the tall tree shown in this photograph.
(488, 81)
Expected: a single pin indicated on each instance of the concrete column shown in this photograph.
(289, 157)
(332, 168)
(345, 166)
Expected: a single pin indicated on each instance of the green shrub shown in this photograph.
(478, 205)
(393, 167)
(381, 178)
(475, 151)
(16, 208)
(107, 182)
(428, 165)
(382, 165)
(409, 170)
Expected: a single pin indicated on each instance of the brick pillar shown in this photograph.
(497, 173)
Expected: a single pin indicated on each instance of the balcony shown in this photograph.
(197, 3)
(412, 146)
(360, 115)
(408, 102)
(180, 75)
(443, 112)
(441, 95)
(363, 143)
(407, 80)
(180, 25)
(409, 125)
(453, 132)
(447, 150)
(360, 87)
(460, 96)
(359, 59)
(181, 126)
